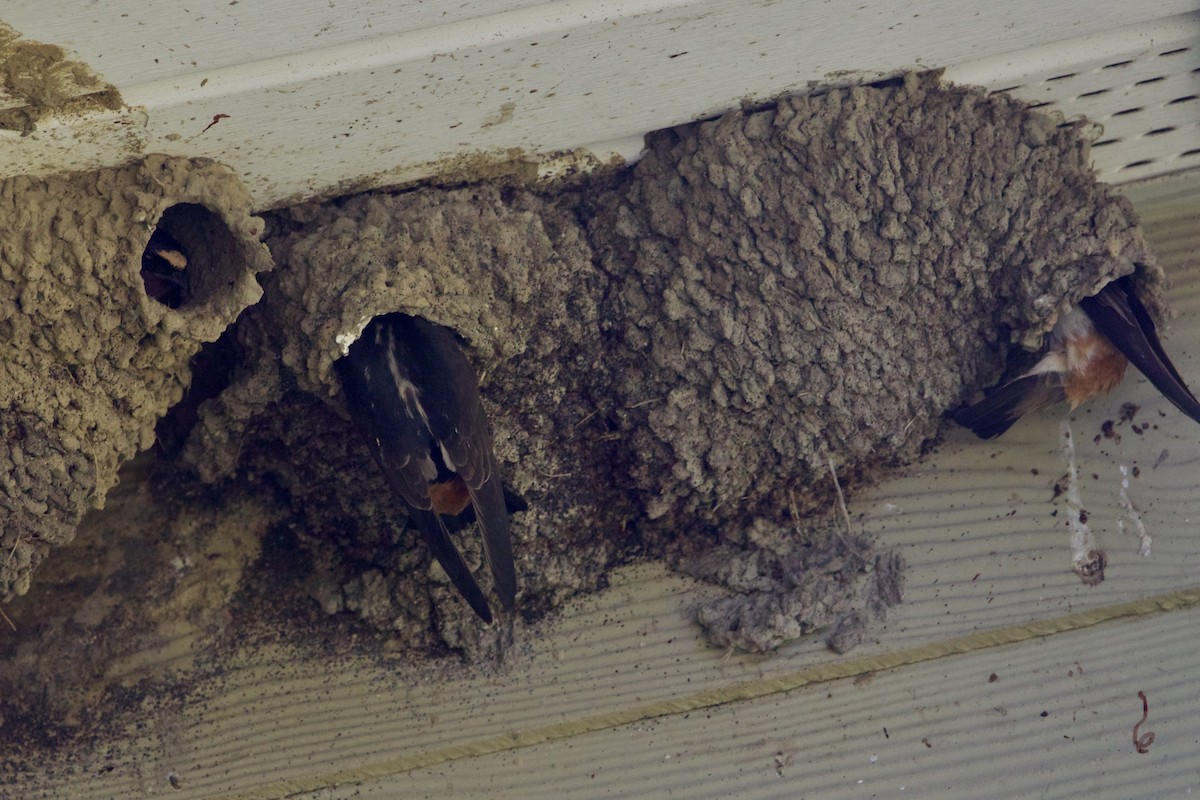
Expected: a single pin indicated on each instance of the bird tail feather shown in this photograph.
(437, 538)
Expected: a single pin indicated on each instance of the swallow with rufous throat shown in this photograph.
(414, 397)
(1090, 346)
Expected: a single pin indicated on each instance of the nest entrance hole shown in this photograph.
(190, 257)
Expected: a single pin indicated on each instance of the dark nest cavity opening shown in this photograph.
(191, 256)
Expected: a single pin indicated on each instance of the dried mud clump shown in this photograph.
(39, 79)
(787, 583)
(90, 360)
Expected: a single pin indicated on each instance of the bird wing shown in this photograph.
(1117, 313)
(492, 515)
(383, 411)
(460, 428)
(383, 405)
(1006, 404)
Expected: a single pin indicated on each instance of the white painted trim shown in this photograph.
(323, 98)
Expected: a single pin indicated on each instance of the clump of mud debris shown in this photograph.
(676, 359)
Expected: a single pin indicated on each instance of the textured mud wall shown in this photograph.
(89, 361)
(823, 279)
(675, 358)
(512, 274)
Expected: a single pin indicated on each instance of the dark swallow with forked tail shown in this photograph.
(1089, 349)
(415, 399)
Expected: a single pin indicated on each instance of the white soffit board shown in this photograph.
(311, 97)
(1140, 84)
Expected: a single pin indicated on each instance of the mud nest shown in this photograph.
(674, 358)
(91, 359)
(677, 355)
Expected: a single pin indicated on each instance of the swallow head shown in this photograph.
(164, 270)
(1089, 348)
(415, 399)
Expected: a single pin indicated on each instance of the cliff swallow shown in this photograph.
(414, 397)
(1090, 347)
(164, 265)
